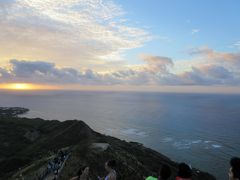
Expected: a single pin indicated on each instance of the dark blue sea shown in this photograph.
(200, 129)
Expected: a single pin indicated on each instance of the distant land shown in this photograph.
(27, 145)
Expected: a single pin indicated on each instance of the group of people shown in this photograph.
(184, 172)
(83, 173)
(55, 165)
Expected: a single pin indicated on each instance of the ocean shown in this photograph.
(202, 130)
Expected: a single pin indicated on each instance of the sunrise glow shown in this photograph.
(25, 86)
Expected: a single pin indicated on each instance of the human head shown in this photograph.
(234, 171)
(83, 170)
(165, 172)
(184, 171)
(109, 165)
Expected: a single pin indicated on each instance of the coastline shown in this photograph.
(36, 137)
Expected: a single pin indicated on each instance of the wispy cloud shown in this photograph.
(237, 45)
(69, 32)
(195, 31)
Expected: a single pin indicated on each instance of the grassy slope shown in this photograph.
(17, 151)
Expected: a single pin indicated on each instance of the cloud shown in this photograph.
(38, 72)
(237, 45)
(213, 68)
(73, 32)
(45, 72)
(194, 31)
(25, 68)
(200, 51)
(207, 75)
(228, 59)
(153, 69)
(4, 74)
(157, 64)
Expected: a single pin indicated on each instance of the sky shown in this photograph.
(149, 45)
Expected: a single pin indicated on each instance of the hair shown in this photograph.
(111, 163)
(235, 165)
(184, 171)
(80, 171)
(165, 172)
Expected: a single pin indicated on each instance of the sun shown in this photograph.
(17, 86)
(25, 86)
(21, 86)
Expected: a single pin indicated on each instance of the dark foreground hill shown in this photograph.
(27, 144)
